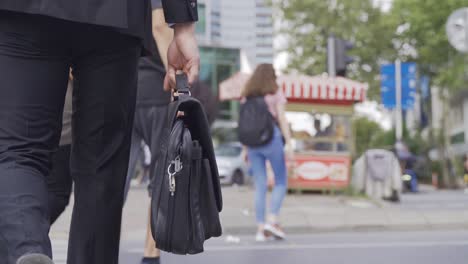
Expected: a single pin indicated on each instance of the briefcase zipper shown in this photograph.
(174, 167)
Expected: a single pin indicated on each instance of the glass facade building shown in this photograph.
(218, 64)
(201, 24)
(218, 61)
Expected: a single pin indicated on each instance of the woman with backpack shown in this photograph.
(263, 128)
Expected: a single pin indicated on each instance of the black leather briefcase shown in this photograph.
(186, 196)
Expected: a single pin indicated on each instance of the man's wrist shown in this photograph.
(184, 28)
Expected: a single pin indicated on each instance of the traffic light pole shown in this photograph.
(331, 57)
(399, 112)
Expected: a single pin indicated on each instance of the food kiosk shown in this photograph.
(319, 112)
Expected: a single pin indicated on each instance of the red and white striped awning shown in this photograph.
(300, 88)
(322, 88)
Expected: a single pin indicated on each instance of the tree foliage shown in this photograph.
(369, 134)
(420, 26)
(308, 23)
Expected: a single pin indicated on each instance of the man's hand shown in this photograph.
(182, 55)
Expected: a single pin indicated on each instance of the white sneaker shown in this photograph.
(260, 236)
(34, 259)
(275, 230)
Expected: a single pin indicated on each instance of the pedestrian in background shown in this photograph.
(143, 177)
(101, 40)
(263, 84)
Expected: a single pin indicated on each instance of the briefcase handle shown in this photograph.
(182, 85)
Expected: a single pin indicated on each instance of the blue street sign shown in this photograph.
(408, 85)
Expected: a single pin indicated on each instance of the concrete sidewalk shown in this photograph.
(301, 213)
(312, 213)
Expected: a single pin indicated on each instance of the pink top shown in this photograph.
(273, 100)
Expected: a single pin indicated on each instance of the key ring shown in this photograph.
(175, 166)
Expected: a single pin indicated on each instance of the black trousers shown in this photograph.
(36, 53)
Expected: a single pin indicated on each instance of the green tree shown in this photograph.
(369, 134)
(306, 24)
(420, 36)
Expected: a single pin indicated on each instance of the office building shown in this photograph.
(241, 24)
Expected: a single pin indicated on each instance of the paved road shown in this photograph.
(433, 247)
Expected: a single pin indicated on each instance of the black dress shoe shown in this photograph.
(34, 259)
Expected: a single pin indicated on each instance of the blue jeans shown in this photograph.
(258, 156)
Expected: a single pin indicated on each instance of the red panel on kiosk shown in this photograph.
(317, 172)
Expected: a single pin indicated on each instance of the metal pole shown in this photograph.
(331, 56)
(466, 26)
(399, 114)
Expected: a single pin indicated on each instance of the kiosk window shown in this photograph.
(319, 131)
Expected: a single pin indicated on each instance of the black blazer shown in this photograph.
(128, 16)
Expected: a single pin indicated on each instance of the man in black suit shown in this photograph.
(101, 40)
